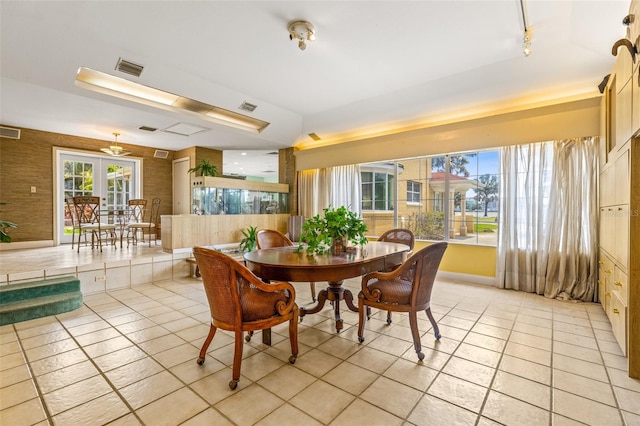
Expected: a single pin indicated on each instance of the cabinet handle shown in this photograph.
(600, 262)
(608, 294)
(616, 311)
(618, 283)
(619, 209)
(607, 271)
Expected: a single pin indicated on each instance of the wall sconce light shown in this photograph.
(301, 31)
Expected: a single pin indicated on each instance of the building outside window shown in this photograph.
(452, 197)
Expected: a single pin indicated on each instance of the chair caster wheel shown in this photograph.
(247, 338)
(420, 356)
(360, 339)
(388, 321)
(233, 384)
(200, 360)
(438, 336)
(292, 359)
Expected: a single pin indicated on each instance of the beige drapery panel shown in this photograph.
(331, 186)
(548, 219)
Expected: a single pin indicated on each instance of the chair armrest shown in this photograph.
(271, 287)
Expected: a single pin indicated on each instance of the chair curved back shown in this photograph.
(239, 301)
(87, 208)
(137, 207)
(154, 217)
(426, 263)
(269, 238)
(400, 236)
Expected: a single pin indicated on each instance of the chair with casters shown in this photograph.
(269, 238)
(87, 209)
(405, 289)
(144, 227)
(400, 236)
(239, 301)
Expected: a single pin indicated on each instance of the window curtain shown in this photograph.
(331, 186)
(548, 219)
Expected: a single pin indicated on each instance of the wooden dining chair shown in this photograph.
(399, 236)
(239, 301)
(405, 289)
(269, 238)
(70, 210)
(88, 213)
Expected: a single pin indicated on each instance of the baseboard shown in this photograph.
(467, 278)
(26, 245)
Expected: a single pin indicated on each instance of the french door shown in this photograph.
(114, 180)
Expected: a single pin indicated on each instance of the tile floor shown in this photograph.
(127, 357)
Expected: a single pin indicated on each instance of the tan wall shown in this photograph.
(28, 162)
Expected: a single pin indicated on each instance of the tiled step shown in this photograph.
(25, 301)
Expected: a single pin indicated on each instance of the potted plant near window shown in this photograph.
(332, 231)
(205, 168)
(4, 224)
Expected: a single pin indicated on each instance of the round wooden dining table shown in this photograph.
(291, 264)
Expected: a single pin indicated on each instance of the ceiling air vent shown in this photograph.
(160, 154)
(129, 67)
(247, 106)
(147, 128)
(10, 133)
(314, 136)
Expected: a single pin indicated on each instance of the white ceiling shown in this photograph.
(375, 64)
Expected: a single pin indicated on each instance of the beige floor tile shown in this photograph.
(316, 362)
(189, 371)
(582, 368)
(195, 334)
(392, 396)
(172, 409)
(53, 348)
(181, 324)
(14, 375)
(585, 410)
(628, 400)
(558, 420)
(147, 334)
(119, 358)
(621, 379)
(457, 391)
(56, 362)
(523, 389)
(437, 412)
(470, 371)
(527, 369)
(362, 413)
(259, 365)
(486, 342)
(312, 337)
(288, 415)
(90, 327)
(134, 371)
(98, 336)
(76, 394)
(410, 373)
(208, 417)
(531, 340)
(390, 345)
(107, 346)
(99, 411)
(177, 355)
(43, 339)
(512, 412)
(17, 393)
(287, 381)
(161, 344)
(149, 389)
(215, 387)
(528, 353)
(339, 347)
(631, 419)
(11, 361)
(584, 386)
(491, 330)
(478, 355)
(27, 413)
(578, 352)
(350, 378)
(322, 401)
(249, 405)
(66, 376)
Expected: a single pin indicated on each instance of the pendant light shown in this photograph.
(115, 150)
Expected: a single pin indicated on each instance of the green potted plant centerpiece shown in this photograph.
(332, 231)
(205, 168)
(249, 241)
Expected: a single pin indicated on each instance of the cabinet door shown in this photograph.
(635, 95)
(624, 113)
(621, 179)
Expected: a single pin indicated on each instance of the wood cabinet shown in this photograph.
(619, 199)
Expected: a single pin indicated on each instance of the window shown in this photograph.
(413, 191)
(450, 197)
